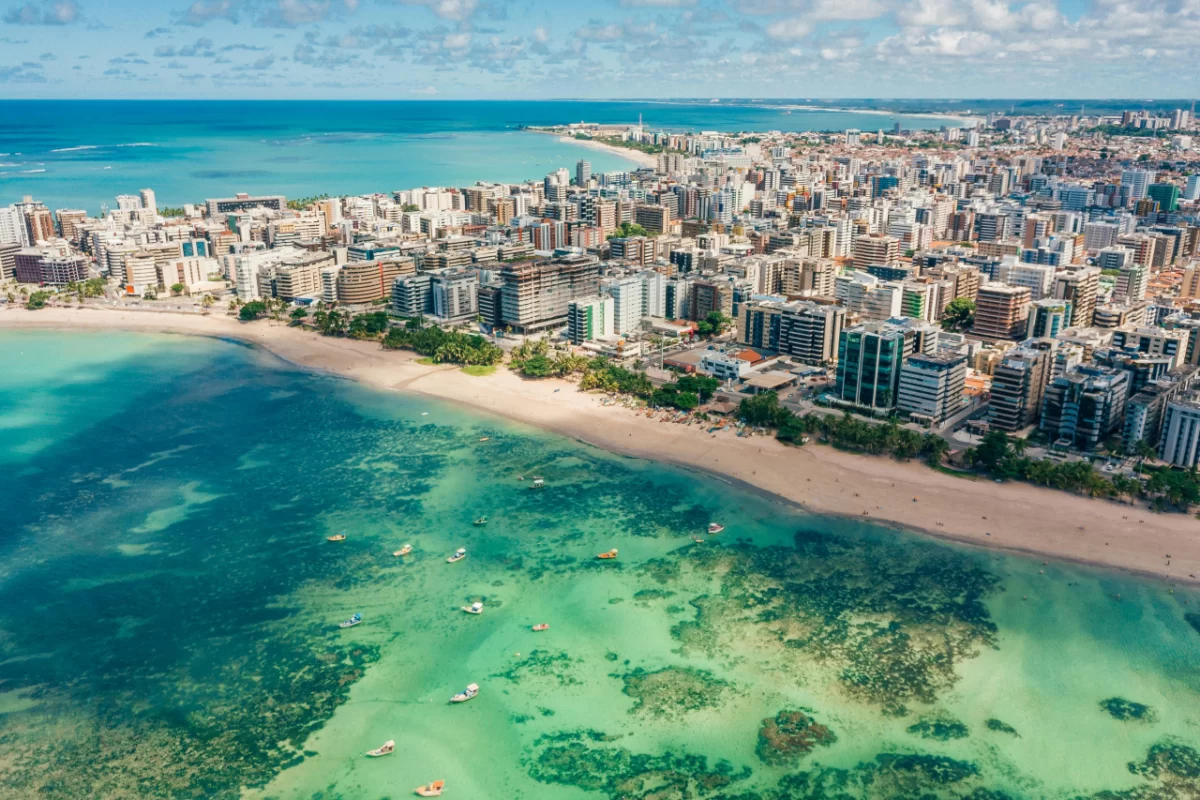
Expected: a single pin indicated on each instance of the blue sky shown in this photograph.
(532, 49)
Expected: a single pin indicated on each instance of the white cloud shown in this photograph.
(789, 29)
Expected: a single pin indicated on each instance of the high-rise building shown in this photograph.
(535, 295)
(868, 296)
(583, 173)
(1165, 194)
(931, 386)
(1180, 443)
(1018, 382)
(1001, 311)
(1191, 191)
(873, 248)
(1136, 182)
(148, 201)
(589, 318)
(1048, 317)
(1084, 406)
(1078, 285)
(628, 302)
(12, 227)
(8, 260)
(368, 281)
(654, 218)
(870, 357)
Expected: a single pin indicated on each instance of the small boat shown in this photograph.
(386, 749)
(610, 554)
(485, 438)
(479, 523)
(541, 626)
(697, 540)
(538, 483)
(337, 537)
(715, 527)
(403, 551)
(466, 694)
(474, 608)
(459, 555)
(350, 623)
(431, 789)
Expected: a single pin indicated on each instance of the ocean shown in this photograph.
(83, 153)
(169, 610)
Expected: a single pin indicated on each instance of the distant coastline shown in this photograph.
(1013, 517)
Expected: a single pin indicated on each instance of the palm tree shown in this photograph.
(1144, 450)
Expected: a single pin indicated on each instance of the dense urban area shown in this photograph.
(1019, 295)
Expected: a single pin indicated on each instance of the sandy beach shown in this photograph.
(1010, 516)
(643, 159)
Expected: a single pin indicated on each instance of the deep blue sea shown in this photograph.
(81, 153)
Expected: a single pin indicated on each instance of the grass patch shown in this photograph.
(427, 361)
(479, 370)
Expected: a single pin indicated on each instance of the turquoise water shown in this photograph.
(169, 610)
(80, 153)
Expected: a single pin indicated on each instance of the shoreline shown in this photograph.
(636, 156)
(1012, 517)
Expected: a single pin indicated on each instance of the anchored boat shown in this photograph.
(337, 537)
(387, 748)
(459, 555)
(479, 523)
(350, 623)
(610, 554)
(403, 551)
(466, 694)
(474, 608)
(715, 527)
(541, 626)
(430, 789)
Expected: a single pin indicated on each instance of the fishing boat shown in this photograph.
(541, 626)
(350, 623)
(459, 555)
(386, 749)
(466, 694)
(715, 527)
(538, 483)
(474, 608)
(697, 540)
(431, 789)
(485, 438)
(337, 537)
(403, 551)
(610, 554)
(479, 523)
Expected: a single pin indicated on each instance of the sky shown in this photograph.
(532, 49)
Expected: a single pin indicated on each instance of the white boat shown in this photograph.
(715, 527)
(459, 555)
(350, 623)
(538, 483)
(386, 749)
(466, 694)
(403, 551)
(431, 789)
(474, 608)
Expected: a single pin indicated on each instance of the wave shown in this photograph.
(31, 171)
(73, 149)
(2, 164)
(138, 144)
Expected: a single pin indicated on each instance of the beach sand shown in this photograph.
(643, 159)
(1011, 516)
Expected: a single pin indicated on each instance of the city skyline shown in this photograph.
(294, 49)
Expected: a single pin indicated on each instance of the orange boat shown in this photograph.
(610, 554)
(430, 790)
(541, 626)
(337, 537)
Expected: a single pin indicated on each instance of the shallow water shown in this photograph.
(169, 610)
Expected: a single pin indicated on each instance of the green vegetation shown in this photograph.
(672, 691)
(37, 300)
(789, 736)
(1127, 130)
(686, 393)
(252, 311)
(1171, 488)
(444, 347)
(479, 370)
(177, 289)
(714, 324)
(533, 359)
(371, 325)
(627, 229)
(1127, 711)
(410, 207)
(938, 728)
(960, 314)
(604, 376)
(170, 212)
(542, 664)
(298, 314)
(331, 322)
(301, 203)
(846, 432)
